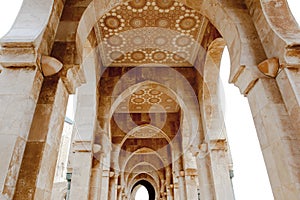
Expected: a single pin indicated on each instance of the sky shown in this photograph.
(251, 180)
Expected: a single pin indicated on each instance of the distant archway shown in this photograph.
(148, 186)
(141, 193)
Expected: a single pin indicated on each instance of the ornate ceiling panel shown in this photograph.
(149, 98)
(149, 32)
(147, 132)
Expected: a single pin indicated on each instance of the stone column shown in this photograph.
(190, 175)
(85, 126)
(39, 161)
(119, 190)
(179, 174)
(81, 171)
(105, 185)
(113, 186)
(169, 186)
(206, 184)
(288, 81)
(170, 192)
(191, 183)
(95, 185)
(176, 191)
(19, 91)
(181, 185)
(220, 170)
(279, 139)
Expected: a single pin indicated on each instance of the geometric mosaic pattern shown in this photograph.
(149, 32)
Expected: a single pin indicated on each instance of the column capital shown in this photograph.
(269, 67)
(50, 65)
(97, 148)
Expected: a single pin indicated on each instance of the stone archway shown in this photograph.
(72, 43)
(149, 188)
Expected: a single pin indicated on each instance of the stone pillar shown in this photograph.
(169, 186)
(19, 91)
(95, 186)
(119, 190)
(176, 191)
(279, 139)
(83, 139)
(191, 183)
(81, 171)
(40, 156)
(113, 186)
(170, 192)
(181, 185)
(288, 81)
(105, 184)
(179, 174)
(220, 170)
(206, 184)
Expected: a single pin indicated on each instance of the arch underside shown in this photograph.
(148, 88)
(154, 73)
(148, 71)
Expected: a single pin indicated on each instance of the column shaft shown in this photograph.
(81, 175)
(95, 186)
(19, 91)
(206, 184)
(288, 81)
(105, 185)
(43, 142)
(220, 171)
(279, 140)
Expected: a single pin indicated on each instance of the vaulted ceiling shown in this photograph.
(148, 50)
(156, 32)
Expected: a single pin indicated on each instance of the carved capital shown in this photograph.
(50, 65)
(111, 174)
(181, 173)
(269, 67)
(97, 148)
